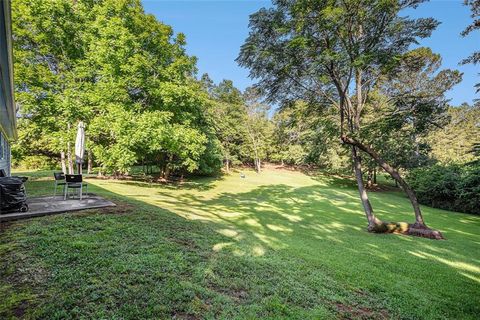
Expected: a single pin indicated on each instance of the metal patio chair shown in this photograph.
(75, 181)
(59, 181)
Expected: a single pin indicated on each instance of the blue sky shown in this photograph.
(215, 31)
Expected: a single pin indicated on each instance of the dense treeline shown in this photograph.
(128, 78)
(453, 187)
(451, 181)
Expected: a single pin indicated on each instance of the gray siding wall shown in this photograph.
(4, 154)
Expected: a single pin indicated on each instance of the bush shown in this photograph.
(35, 162)
(452, 187)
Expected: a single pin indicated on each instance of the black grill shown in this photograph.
(13, 196)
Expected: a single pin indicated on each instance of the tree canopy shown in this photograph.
(336, 54)
(120, 71)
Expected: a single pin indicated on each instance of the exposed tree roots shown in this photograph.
(405, 228)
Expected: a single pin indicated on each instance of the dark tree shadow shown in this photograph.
(274, 251)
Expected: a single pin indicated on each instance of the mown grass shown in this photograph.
(276, 245)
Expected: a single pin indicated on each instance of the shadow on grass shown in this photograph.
(326, 226)
(196, 183)
(147, 262)
(274, 251)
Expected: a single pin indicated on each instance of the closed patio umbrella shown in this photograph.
(80, 146)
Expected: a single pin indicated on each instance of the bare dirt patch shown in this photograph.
(359, 312)
(236, 294)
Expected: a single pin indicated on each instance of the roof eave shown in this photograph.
(9, 126)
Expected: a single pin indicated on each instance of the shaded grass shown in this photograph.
(275, 245)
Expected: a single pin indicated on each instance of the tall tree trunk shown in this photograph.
(257, 163)
(355, 126)
(375, 175)
(62, 161)
(256, 160)
(100, 172)
(227, 165)
(90, 162)
(369, 178)
(168, 165)
(69, 159)
(418, 228)
(351, 114)
(166, 174)
(367, 207)
(419, 222)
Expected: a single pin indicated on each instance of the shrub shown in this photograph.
(468, 190)
(35, 162)
(452, 187)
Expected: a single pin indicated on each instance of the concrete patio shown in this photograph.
(42, 206)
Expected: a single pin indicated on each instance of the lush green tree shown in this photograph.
(304, 137)
(258, 127)
(120, 71)
(474, 26)
(454, 142)
(335, 54)
(228, 118)
(405, 107)
(47, 47)
(241, 123)
(289, 134)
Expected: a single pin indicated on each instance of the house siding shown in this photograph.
(4, 154)
(8, 130)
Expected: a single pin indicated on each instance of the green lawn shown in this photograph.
(276, 245)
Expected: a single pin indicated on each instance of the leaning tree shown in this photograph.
(336, 53)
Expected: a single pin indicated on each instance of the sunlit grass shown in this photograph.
(278, 244)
